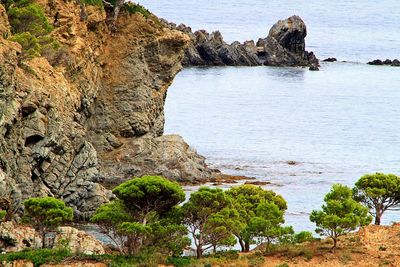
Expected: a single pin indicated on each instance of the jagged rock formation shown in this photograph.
(96, 116)
(284, 46)
(211, 49)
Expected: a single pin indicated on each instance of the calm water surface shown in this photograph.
(337, 124)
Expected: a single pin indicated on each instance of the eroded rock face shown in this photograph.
(285, 44)
(62, 126)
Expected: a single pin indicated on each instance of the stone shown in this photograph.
(14, 237)
(78, 241)
(17, 263)
(314, 68)
(285, 44)
(375, 62)
(387, 62)
(395, 63)
(330, 59)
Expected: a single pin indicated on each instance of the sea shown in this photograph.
(299, 130)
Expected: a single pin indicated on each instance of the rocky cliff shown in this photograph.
(284, 46)
(95, 115)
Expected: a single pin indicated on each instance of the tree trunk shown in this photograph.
(378, 216)
(199, 252)
(43, 233)
(241, 244)
(113, 16)
(246, 246)
(334, 242)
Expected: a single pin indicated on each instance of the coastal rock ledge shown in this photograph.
(93, 118)
(284, 46)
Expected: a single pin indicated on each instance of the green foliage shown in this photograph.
(3, 214)
(260, 214)
(132, 8)
(147, 195)
(112, 213)
(37, 257)
(45, 214)
(340, 214)
(208, 219)
(297, 238)
(379, 192)
(30, 44)
(303, 236)
(28, 17)
(180, 261)
(169, 236)
(145, 215)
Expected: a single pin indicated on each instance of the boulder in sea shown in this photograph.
(285, 44)
(387, 62)
(395, 63)
(330, 59)
(314, 67)
(376, 62)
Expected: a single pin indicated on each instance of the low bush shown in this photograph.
(132, 8)
(37, 257)
(179, 261)
(3, 214)
(28, 17)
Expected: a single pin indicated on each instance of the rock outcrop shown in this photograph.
(14, 237)
(78, 242)
(284, 46)
(387, 62)
(96, 115)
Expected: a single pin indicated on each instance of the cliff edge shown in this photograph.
(90, 112)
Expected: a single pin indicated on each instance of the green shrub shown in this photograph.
(28, 18)
(46, 214)
(37, 257)
(179, 261)
(3, 214)
(282, 265)
(30, 44)
(132, 8)
(303, 236)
